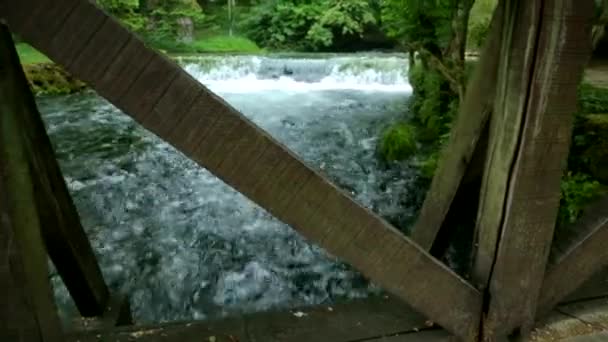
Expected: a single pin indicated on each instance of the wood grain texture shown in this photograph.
(64, 237)
(360, 320)
(27, 307)
(211, 131)
(581, 259)
(528, 215)
(146, 84)
(517, 52)
(469, 124)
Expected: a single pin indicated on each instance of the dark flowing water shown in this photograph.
(182, 244)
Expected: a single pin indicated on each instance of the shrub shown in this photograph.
(577, 190)
(398, 142)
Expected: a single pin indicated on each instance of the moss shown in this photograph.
(433, 104)
(50, 79)
(398, 142)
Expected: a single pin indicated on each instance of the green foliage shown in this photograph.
(592, 100)
(479, 24)
(427, 23)
(433, 104)
(126, 11)
(307, 25)
(398, 142)
(157, 24)
(577, 190)
(164, 19)
(428, 165)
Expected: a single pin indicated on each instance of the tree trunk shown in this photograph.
(185, 31)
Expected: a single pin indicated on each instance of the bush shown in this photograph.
(592, 100)
(398, 142)
(313, 25)
(577, 190)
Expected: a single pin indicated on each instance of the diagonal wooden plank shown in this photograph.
(533, 148)
(27, 307)
(65, 239)
(583, 258)
(205, 132)
(472, 117)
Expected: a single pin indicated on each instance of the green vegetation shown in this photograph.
(50, 79)
(438, 32)
(225, 44)
(577, 190)
(179, 26)
(398, 142)
(309, 25)
(479, 24)
(29, 55)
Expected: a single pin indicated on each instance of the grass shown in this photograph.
(224, 44)
(208, 43)
(29, 55)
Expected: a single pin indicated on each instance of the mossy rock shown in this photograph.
(595, 151)
(51, 79)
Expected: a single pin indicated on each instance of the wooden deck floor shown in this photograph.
(582, 318)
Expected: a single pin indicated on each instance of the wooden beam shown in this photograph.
(117, 313)
(367, 319)
(472, 117)
(530, 142)
(516, 59)
(27, 307)
(583, 258)
(65, 239)
(144, 84)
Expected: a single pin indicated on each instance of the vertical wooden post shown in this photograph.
(64, 237)
(27, 308)
(532, 126)
(516, 57)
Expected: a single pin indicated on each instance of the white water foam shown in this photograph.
(257, 74)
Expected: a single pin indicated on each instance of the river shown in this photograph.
(182, 244)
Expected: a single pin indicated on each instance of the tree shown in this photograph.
(308, 25)
(435, 31)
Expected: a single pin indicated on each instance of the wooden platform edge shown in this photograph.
(360, 320)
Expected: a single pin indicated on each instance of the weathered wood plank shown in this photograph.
(426, 284)
(516, 59)
(65, 239)
(526, 219)
(27, 307)
(472, 117)
(594, 287)
(582, 259)
(117, 313)
(354, 321)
